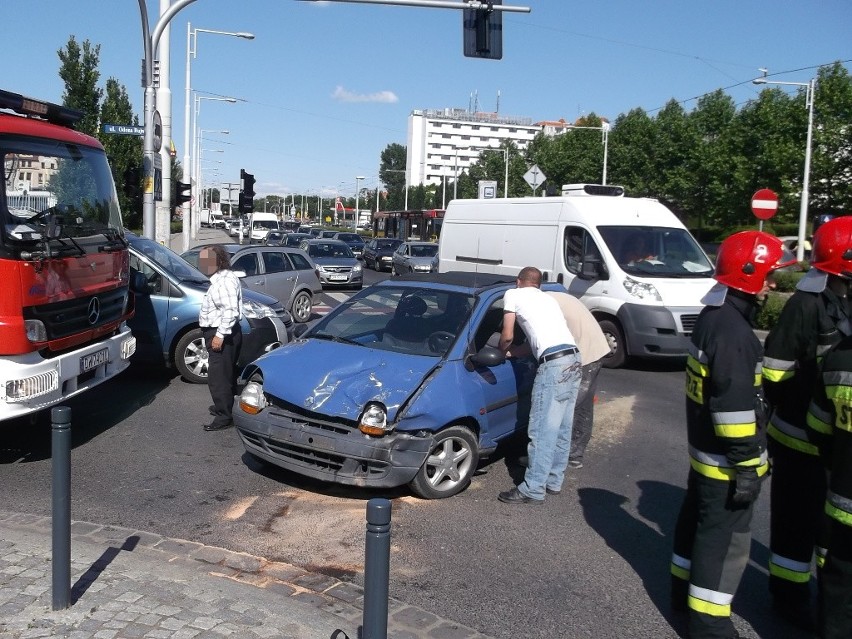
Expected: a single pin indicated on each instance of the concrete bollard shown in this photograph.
(61, 464)
(377, 569)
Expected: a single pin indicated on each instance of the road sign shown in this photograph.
(535, 177)
(124, 129)
(764, 204)
(487, 189)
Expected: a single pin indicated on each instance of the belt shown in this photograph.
(558, 354)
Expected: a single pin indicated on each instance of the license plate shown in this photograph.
(338, 278)
(93, 360)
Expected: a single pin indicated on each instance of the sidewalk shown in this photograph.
(127, 584)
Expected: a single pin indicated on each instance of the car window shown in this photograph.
(246, 263)
(300, 262)
(424, 250)
(153, 279)
(275, 262)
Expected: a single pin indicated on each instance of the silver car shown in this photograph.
(284, 273)
(414, 257)
(336, 263)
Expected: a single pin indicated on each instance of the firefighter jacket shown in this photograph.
(724, 399)
(807, 328)
(829, 425)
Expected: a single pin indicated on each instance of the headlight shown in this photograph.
(374, 420)
(36, 331)
(641, 290)
(252, 400)
(321, 268)
(256, 310)
(356, 268)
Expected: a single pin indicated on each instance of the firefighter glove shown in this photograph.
(747, 486)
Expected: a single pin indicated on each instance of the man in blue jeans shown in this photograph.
(555, 389)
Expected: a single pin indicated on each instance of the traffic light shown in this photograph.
(183, 193)
(246, 200)
(483, 32)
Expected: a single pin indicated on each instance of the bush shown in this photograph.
(768, 315)
(785, 281)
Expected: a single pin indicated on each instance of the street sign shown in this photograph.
(535, 177)
(764, 204)
(487, 189)
(124, 129)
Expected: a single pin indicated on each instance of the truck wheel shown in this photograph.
(449, 465)
(301, 307)
(191, 357)
(618, 349)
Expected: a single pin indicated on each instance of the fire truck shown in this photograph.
(64, 262)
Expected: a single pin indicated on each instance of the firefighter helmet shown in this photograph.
(745, 260)
(832, 251)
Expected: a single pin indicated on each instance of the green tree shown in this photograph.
(79, 71)
(831, 165)
(124, 152)
(392, 174)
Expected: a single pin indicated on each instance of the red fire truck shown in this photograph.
(64, 263)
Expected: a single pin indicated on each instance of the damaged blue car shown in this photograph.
(401, 384)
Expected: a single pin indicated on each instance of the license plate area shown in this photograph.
(338, 278)
(93, 360)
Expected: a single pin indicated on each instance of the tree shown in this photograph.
(831, 167)
(79, 71)
(392, 174)
(124, 152)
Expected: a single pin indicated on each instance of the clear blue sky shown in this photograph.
(327, 86)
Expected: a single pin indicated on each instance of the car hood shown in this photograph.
(337, 379)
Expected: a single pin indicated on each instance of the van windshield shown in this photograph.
(656, 251)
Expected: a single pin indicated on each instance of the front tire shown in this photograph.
(191, 358)
(449, 466)
(302, 307)
(618, 349)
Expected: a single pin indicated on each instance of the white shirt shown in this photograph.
(222, 305)
(540, 318)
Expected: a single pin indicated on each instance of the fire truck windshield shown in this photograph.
(56, 184)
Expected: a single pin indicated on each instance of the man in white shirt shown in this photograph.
(555, 388)
(219, 320)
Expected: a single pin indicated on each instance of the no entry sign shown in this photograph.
(764, 204)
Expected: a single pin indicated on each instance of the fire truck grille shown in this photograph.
(62, 319)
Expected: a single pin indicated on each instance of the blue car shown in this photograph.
(169, 292)
(401, 384)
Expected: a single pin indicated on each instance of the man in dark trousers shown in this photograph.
(727, 445)
(220, 324)
(813, 320)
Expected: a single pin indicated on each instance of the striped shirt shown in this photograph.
(222, 305)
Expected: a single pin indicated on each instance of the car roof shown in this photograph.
(325, 240)
(464, 279)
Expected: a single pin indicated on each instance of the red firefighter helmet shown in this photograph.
(745, 260)
(832, 251)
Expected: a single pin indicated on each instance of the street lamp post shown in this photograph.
(604, 129)
(192, 52)
(803, 205)
(199, 178)
(358, 179)
(195, 141)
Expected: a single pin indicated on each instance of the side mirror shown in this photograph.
(488, 356)
(138, 283)
(592, 269)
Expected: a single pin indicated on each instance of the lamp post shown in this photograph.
(199, 176)
(196, 140)
(803, 205)
(358, 179)
(192, 52)
(604, 129)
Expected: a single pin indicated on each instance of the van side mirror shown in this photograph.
(593, 269)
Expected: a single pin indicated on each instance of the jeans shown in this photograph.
(554, 393)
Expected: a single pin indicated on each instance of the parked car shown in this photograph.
(167, 306)
(295, 239)
(414, 257)
(354, 241)
(403, 384)
(285, 273)
(378, 253)
(336, 264)
(274, 238)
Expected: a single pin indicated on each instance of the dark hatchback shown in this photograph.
(378, 253)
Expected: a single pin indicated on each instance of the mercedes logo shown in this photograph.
(94, 310)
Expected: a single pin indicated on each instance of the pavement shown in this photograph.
(128, 583)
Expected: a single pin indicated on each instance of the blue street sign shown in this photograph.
(124, 129)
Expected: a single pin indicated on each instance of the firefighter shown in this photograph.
(814, 319)
(829, 425)
(724, 415)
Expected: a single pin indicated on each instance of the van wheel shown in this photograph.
(449, 465)
(191, 357)
(301, 307)
(615, 338)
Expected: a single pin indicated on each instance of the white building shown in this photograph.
(443, 143)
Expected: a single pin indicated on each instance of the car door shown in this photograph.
(247, 262)
(149, 324)
(399, 257)
(306, 275)
(279, 276)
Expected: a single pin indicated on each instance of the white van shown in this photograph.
(261, 224)
(590, 239)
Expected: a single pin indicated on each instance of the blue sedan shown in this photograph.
(401, 384)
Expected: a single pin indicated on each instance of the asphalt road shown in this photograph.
(591, 562)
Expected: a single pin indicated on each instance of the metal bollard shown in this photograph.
(377, 569)
(61, 460)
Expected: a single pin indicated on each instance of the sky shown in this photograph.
(324, 87)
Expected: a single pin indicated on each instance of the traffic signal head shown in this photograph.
(183, 193)
(245, 204)
(483, 32)
(248, 183)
